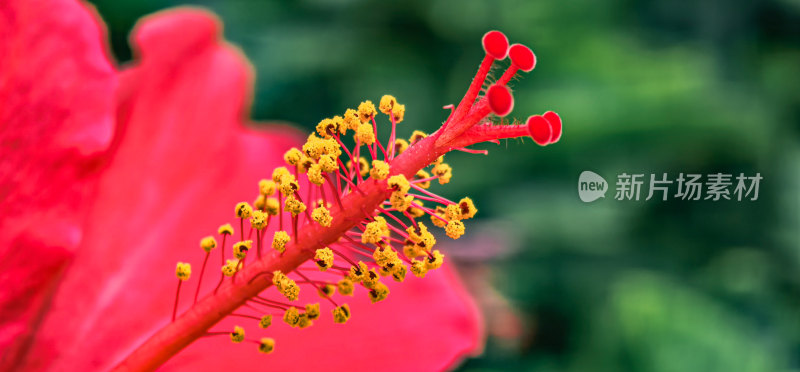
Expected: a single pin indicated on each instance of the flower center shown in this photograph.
(357, 214)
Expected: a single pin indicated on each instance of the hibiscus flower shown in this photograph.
(111, 176)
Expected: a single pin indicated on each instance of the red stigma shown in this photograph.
(495, 44)
(522, 57)
(500, 99)
(555, 126)
(540, 130)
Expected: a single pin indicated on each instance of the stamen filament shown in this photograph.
(177, 297)
(423, 180)
(317, 287)
(432, 195)
(378, 143)
(202, 271)
(430, 212)
(245, 316)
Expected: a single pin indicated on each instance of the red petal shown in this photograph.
(522, 57)
(500, 99)
(495, 44)
(181, 160)
(555, 125)
(56, 87)
(540, 129)
(181, 163)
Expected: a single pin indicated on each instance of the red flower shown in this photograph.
(110, 178)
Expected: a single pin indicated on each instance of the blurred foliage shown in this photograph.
(647, 86)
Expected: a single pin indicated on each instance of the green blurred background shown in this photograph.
(643, 87)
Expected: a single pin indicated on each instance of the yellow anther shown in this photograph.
(208, 243)
(331, 147)
(419, 269)
(322, 215)
(398, 112)
(293, 156)
(378, 293)
(266, 345)
(414, 234)
(357, 273)
(285, 285)
(328, 126)
(259, 220)
(314, 147)
(365, 134)
(326, 290)
(454, 229)
(452, 212)
(240, 249)
(385, 256)
(260, 202)
(443, 171)
(440, 211)
(363, 166)
(416, 212)
(341, 314)
(371, 279)
(416, 136)
(374, 231)
(399, 273)
(315, 175)
(272, 206)
(400, 145)
(304, 164)
(291, 316)
(265, 321)
(421, 236)
(243, 210)
(278, 173)
(338, 122)
(328, 163)
(267, 187)
(279, 240)
(320, 203)
(288, 185)
(385, 271)
(312, 311)
(294, 206)
(398, 183)
(467, 207)
(323, 257)
(345, 287)
(383, 224)
(230, 267)
(387, 104)
(351, 121)
(438, 160)
(400, 202)
(380, 170)
(411, 251)
(421, 175)
(435, 261)
(237, 335)
(225, 229)
(366, 111)
(304, 321)
(183, 271)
